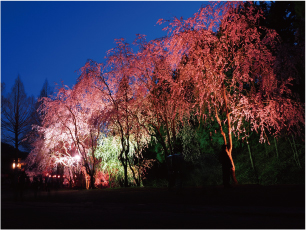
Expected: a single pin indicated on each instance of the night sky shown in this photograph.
(52, 40)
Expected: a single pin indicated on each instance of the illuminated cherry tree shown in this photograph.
(218, 66)
(229, 60)
(116, 85)
(162, 108)
(71, 127)
(51, 149)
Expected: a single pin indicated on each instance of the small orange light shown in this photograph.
(58, 176)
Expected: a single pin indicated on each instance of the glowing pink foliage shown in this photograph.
(219, 64)
(232, 70)
(71, 127)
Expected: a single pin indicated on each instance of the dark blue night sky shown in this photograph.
(52, 40)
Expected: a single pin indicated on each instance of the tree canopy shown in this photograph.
(221, 66)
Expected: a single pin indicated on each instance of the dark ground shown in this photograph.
(244, 206)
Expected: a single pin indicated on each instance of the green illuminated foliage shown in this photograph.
(109, 152)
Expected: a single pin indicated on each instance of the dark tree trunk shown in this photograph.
(134, 175)
(92, 181)
(126, 183)
(124, 164)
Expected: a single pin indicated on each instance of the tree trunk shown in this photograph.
(92, 181)
(252, 162)
(124, 164)
(163, 143)
(230, 147)
(134, 175)
(229, 126)
(229, 152)
(17, 129)
(126, 183)
(276, 147)
(251, 158)
(295, 153)
(168, 135)
(91, 173)
(139, 179)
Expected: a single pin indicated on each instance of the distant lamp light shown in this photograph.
(58, 176)
(18, 165)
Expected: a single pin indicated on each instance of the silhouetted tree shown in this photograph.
(16, 111)
(45, 91)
